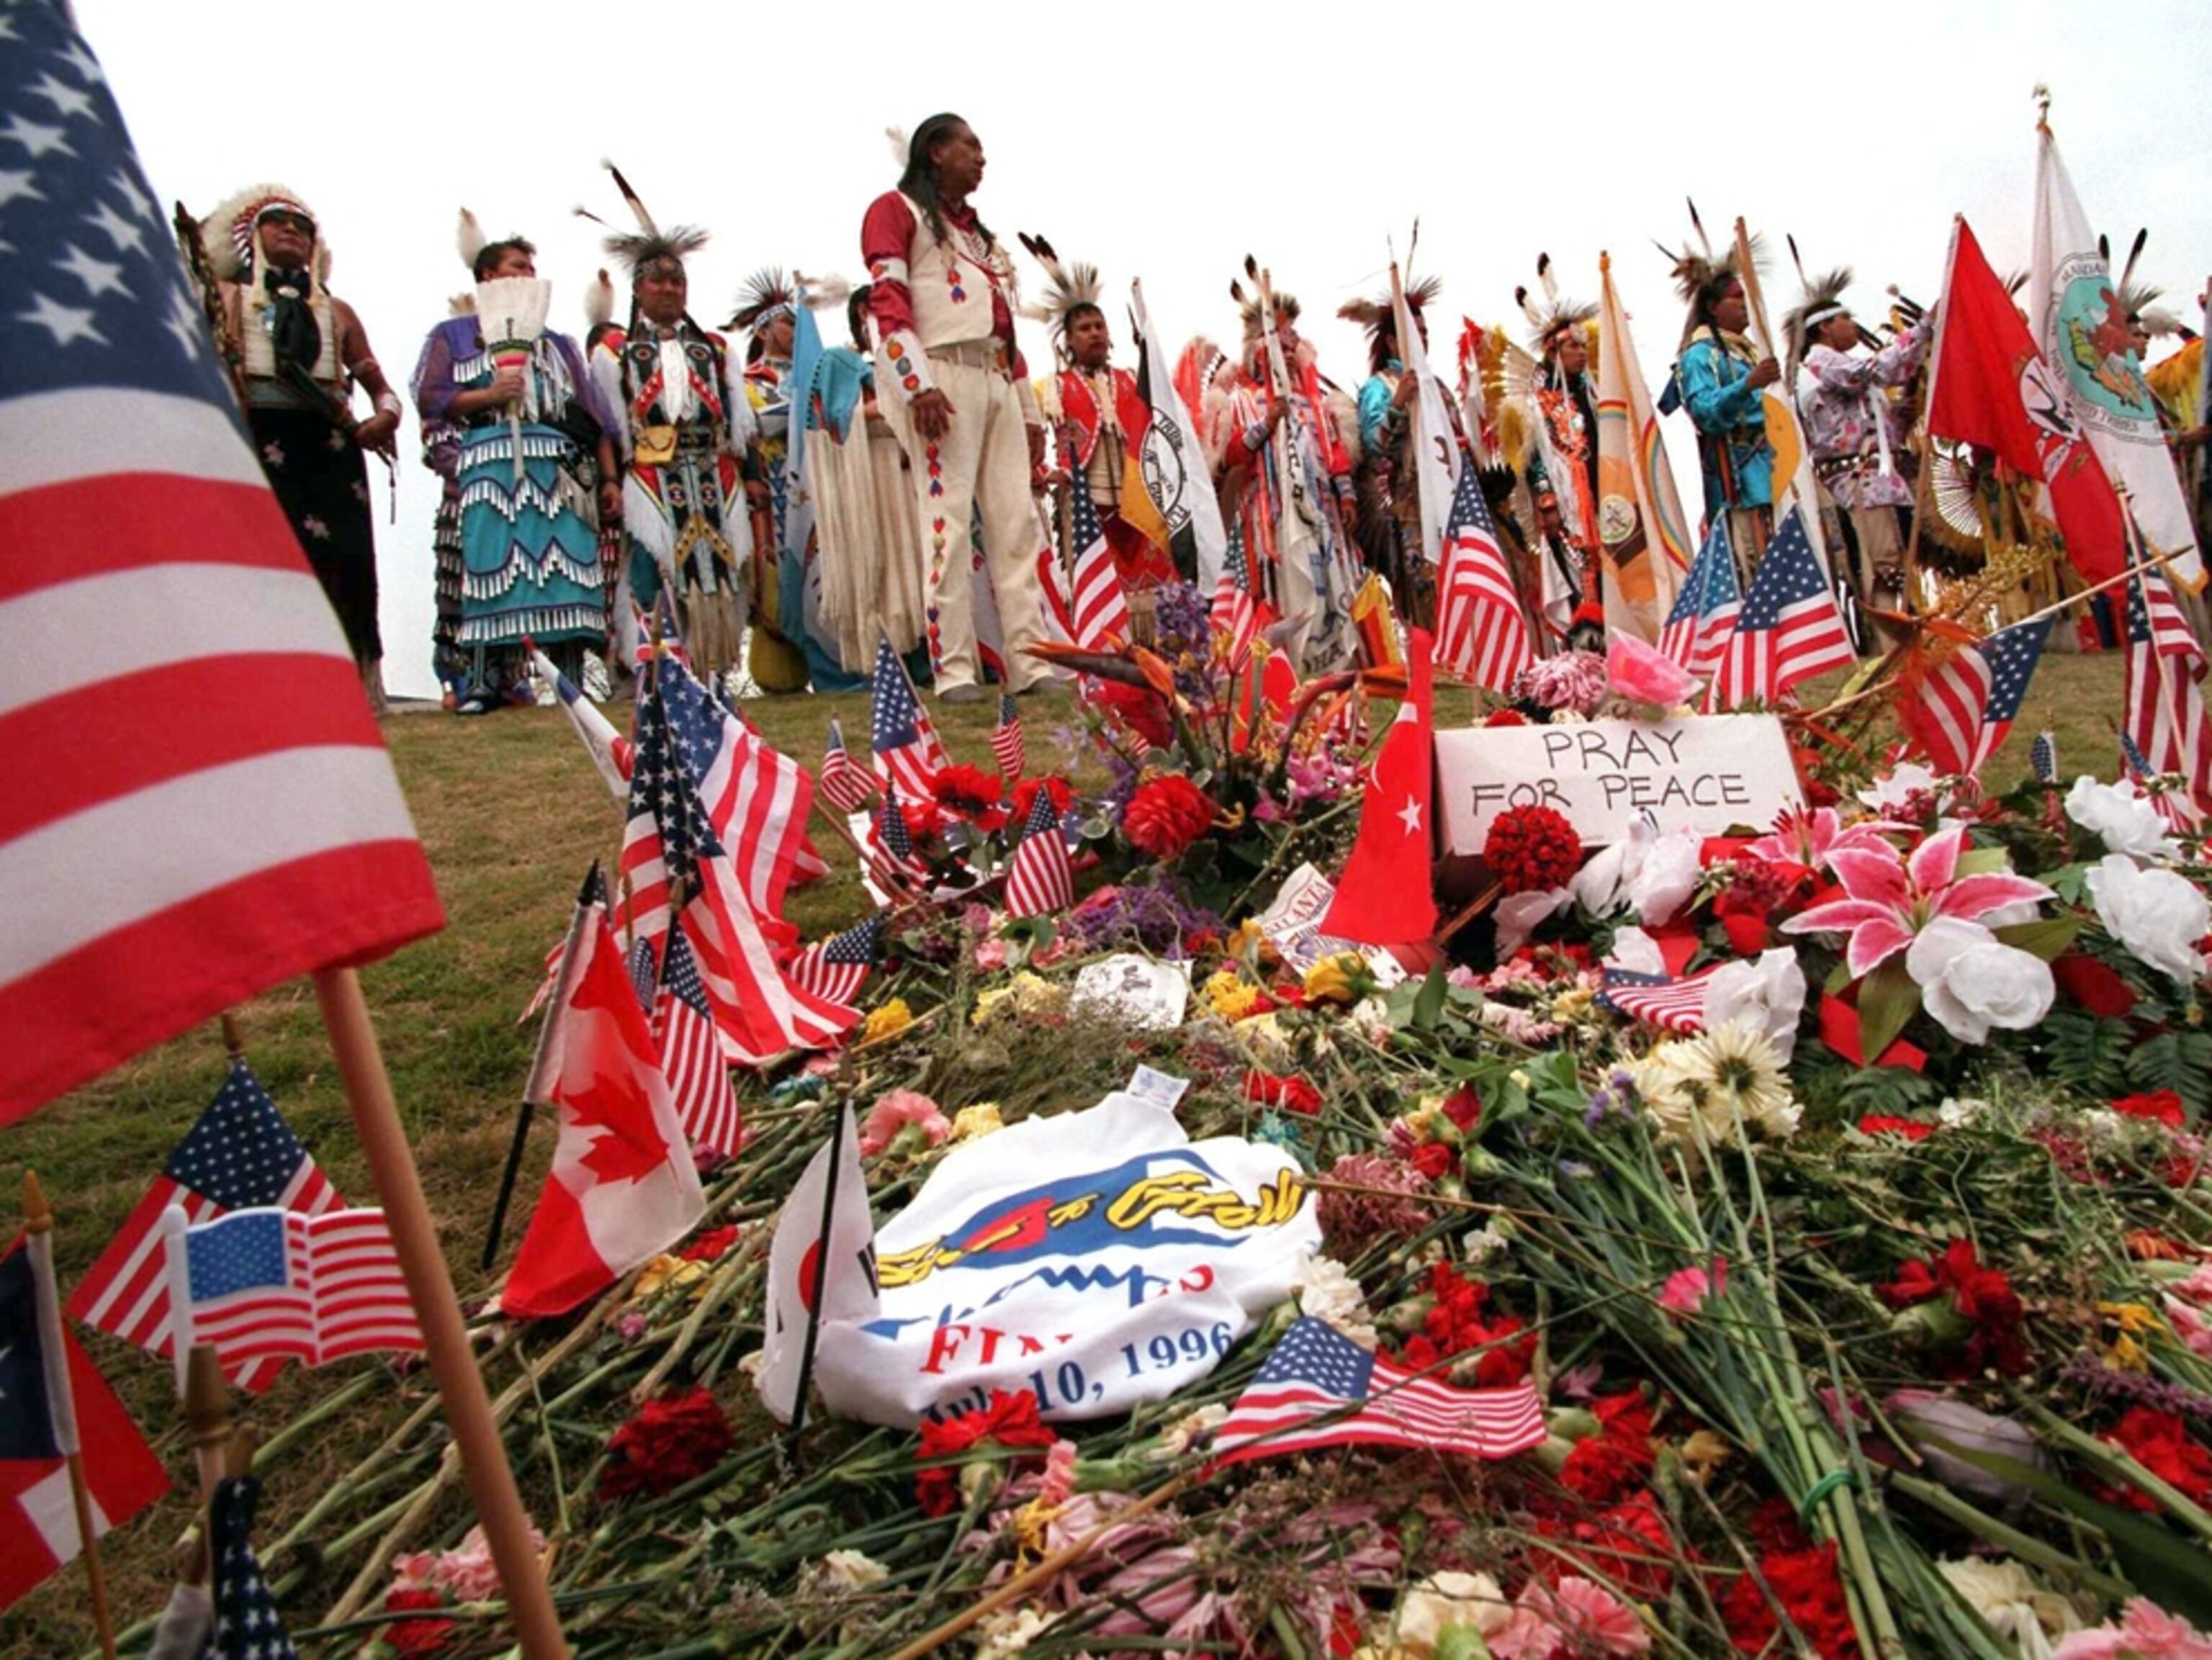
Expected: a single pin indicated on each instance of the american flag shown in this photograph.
(691, 1054)
(2164, 699)
(836, 968)
(757, 798)
(907, 751)
(668, 822)
(671, 637)
(1673, 1005)
(1040, 880)
(849, 786)
(1696, 633)
(1007, 745)
(246, 1624)
(611, 752)
(2170, 804)
(892, 858)
(241, 1156)
(275, 1283)
(1790, 629)
(1100, 611)
(1234, 618)
(1974, 697)
(1319, 1389)
(175, 680)
(1481, 636)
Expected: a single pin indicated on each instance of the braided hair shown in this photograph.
(919, 182)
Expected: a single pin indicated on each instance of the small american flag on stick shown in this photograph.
(274, 1283)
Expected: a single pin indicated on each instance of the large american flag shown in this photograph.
(691, 1053)
(836, 968)
(276, 1284)
(1319, 1389)
(2164, 696)
(1696, 633)
(908, 753)
(757, 798)
(1099, 612)
(203, 807)
(1973, 699)
(1790, 629)
(849, 785)
(1481, 636)
(1040, 880)
(241, 1156)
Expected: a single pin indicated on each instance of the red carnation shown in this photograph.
(1628, 1543)
(1011, 1421)
(2095, 985)
(2159, 1106)
(1455, 1324)
(1506, 717)
(971, 793)
(1605, 1467)
(709, 1246)
(1166, 815)
(1025, 792)
(671, 1441)
(416, 1637)
(1433, 1159)
(1807, 1585)
(1883, 1123)
(1985, 1330)
(2161, 1444)
(1530, 849)
(1291, 1094)
(1463, 1107)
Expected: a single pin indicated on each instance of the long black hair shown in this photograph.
(918, 181)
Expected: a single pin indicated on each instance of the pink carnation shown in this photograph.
(466, 1574)
(1580, 1617)
(1643, 675)
(1686, 1288)
(893, 1112)
(2146, 1632)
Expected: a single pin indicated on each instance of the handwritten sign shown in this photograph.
(1702, 774)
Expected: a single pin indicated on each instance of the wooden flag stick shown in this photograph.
(445, 1337)
(38, 1222)
(207, 1419)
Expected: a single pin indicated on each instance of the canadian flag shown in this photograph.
(1386, 896)
(623, 1187)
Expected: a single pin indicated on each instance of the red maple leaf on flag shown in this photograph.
(630, 1148)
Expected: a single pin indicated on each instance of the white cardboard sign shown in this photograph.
(1703, 774)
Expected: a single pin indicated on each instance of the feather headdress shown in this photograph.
(2138, 301)
(1821, 302)
(649, 244)
(1067, 287)
(599, 300)
(1288, 309)
(769, 294)
(469, 239)
(1701, 276)
(1551, 315)
(227, 234)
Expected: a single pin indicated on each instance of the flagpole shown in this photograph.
(207, 1420)
(821, 1287)
(39, 1224)
(445, 1336)
(1922, 485)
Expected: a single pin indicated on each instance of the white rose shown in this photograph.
(2157, 915)
(2122, 816)
(1445, 1600)
(1767, 994)
(1326, 1291)
(1970, 980)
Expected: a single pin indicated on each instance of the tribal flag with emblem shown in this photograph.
(907, 751)
(241, 1156)
(1790, 629)
(1660, 1000)
(849, 785)
(1177, 472)
(1644, 536)
(1319, 1389)
(1696, 635)
(1041, 880)
(2081, 324)
(623, 1186)
(1385, 896)
(836, 968)
(1481, 636)
(2164, 695)
(1970, 702)
(1099, 612)
(185, 717)
(611, 752)
(1007, 746)
(262, 1284)
(41, 1422)
(1987, 385)
(691, 1052)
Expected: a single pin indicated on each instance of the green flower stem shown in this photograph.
(2013, 1542)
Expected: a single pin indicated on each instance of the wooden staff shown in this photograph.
(207, 1420)
(61, 1405)
(445, 1336)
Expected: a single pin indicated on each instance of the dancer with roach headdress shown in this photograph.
(1386, 522)
(1720, 376)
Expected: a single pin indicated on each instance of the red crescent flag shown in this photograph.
(1385, 897)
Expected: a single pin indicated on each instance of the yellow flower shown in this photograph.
(887, 1021)
(664, 1271)
(1027, 993)
(1229, 996)
(1572, 1007)
(1703, 1453)
(1341, 978)
(1246, 942)
(970, 1122)
(2134, 1319)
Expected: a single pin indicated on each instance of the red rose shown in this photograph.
(1166, 815)
(415, 1637)
(671, 1441)
(2160, 1443)
(1433, 1159)
(2159, 1106)
(971, 793)
(1464, 1108)
(2096, 986)
(1291, 1094)
(1530, 849)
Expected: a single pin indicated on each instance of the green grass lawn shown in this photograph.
(511, 812)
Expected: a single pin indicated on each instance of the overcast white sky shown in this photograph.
(1166, 141)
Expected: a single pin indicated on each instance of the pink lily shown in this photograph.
(1810, 836)
(1893, 897)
